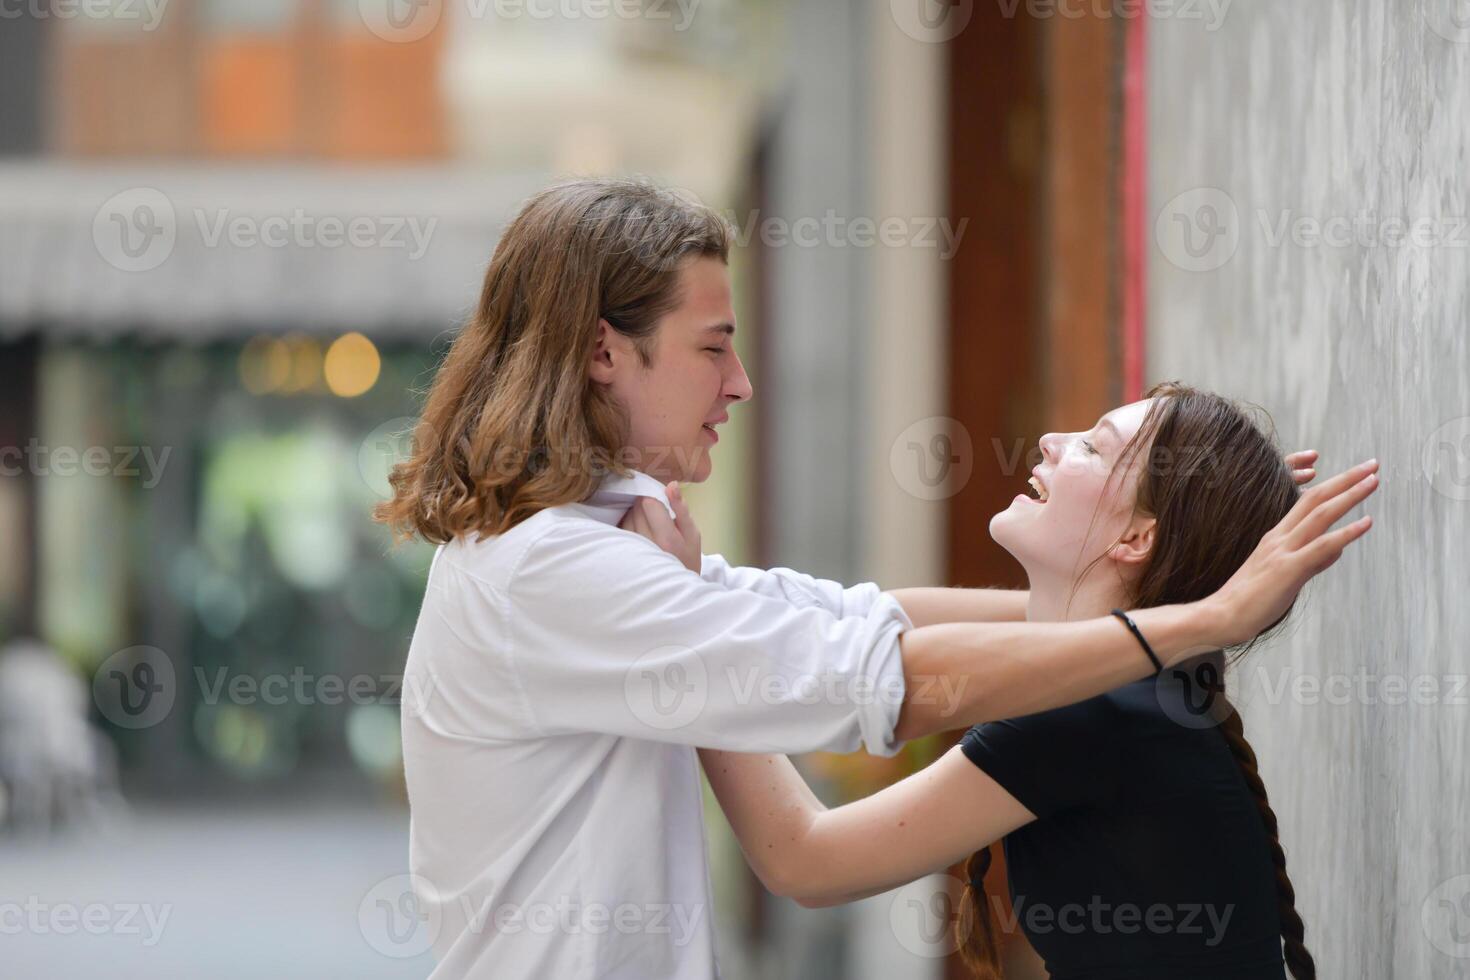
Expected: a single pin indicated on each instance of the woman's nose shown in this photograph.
(1050, 446)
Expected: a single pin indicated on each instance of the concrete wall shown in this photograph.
(1359, 346)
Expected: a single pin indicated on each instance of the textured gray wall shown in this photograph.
(1357, 343)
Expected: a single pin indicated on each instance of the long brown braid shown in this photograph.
(1215, 483)
(1298, 960)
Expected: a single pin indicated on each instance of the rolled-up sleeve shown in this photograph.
(797, 588)
(610, 634)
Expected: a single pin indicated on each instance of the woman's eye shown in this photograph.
(1090, 447)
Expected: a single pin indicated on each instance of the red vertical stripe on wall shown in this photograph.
(1135, 203)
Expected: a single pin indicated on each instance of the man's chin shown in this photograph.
(700, 470)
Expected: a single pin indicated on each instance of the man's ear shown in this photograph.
(605, 351)
(1137, 542)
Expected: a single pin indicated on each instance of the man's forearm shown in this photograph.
(960, 674)
(928, 606)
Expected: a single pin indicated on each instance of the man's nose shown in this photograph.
(737, 385)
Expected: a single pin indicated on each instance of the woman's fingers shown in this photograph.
(681, 509)
(633, 521)
(1302, 545)
(1327, 513)
(641, 520)
(682, 518)
(1326, 490)
(1301, 466)
(664, 533)
(1326, 550)
(652, 521)
(1301, 460)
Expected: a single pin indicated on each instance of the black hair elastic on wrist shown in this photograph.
(1133, 627)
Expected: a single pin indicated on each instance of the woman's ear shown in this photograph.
(1137, 542)
(605, 353)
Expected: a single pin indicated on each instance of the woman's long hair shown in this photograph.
(1215, 483)
(512, 424)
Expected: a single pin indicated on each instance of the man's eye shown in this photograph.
(717, 350)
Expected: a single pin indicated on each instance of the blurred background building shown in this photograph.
(237, 235)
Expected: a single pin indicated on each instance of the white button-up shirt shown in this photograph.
(559, 678)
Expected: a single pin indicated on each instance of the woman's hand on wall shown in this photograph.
(1303, 465)
(1292, 553)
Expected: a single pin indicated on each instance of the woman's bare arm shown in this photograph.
(802, 850)
(926, 606)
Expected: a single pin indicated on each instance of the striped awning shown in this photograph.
(199, 253)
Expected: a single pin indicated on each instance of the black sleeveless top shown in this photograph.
(1148, 859)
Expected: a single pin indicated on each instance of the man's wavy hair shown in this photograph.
(512, 423)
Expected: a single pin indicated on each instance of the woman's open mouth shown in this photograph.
(1041, 492)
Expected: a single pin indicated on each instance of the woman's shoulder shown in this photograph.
(1073, 720)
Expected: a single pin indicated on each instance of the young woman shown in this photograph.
(1137, 832)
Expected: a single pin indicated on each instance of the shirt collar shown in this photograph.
(617, 493)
